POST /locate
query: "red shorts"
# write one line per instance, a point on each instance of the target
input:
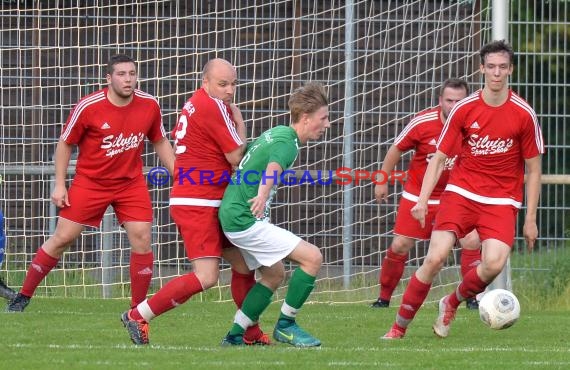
(201, 231)
(406, 225)
(89, 200)
(461, 215)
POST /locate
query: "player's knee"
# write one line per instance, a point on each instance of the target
(490, 269)
(208, 283)
(209, 279)
(59, 241)
(313, 255)
(434, 263)
(401, 246)
(141, 243)
(272, 277)
(470, 242)
(398, 249)
(274, 280)
(278, 278)
(313, 260)
(234, 257)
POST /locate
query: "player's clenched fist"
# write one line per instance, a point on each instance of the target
(419, 212)
(59, 197)
(381, 192)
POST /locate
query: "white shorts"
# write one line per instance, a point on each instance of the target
(263, 244)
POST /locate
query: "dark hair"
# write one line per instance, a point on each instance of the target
(497, 47)
(454, 83)
(116, 59)
(307, 99)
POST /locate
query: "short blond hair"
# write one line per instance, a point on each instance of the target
(307, 99)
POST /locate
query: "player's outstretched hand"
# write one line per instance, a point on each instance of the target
(381, 193)
(59, 197)
(530, 233)
(419, 212)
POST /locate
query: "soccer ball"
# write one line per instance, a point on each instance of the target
(499, 309)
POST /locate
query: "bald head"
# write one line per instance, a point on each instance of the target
(214, 64)
(219, 79)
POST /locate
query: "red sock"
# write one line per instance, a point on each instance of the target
(469, 287)
(414, 296)
(469, 258)
(391, 273)
(41, 265)
(141, 276)
(240, 286)
(174, 293)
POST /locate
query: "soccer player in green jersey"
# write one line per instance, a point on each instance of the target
(244, 216)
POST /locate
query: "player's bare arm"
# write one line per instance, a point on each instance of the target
(431, 177)
(534, 172)
(390, 160)
(165, 152)
(62, 157)
(235, 156)
(258, 203)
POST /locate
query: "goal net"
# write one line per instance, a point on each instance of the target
(381, 61)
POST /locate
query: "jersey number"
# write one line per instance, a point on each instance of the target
(181, 128)
(247, 156)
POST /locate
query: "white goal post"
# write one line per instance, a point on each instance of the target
(382, 61)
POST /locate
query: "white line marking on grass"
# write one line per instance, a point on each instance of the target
(116, 346)
(282, 348)
(468, 349)
(559, 364)
(351, 364)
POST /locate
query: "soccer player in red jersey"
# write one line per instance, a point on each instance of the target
(210, 140)
(500, 136)
(109, 127)
(421, 135)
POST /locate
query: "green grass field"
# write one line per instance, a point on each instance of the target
(58, 333)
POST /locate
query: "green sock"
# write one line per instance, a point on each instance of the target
(300, 287)
(236, 329)
(256, 301)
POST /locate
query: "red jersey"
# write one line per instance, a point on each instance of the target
(421, 134)
(204, 133)
(495, 142)
(109, 137)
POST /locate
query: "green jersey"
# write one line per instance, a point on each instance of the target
(280, 145)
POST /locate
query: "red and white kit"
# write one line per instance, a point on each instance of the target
(205, 131)
(110, 137)
(421, 134)
(495, 143)
(109, 165)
